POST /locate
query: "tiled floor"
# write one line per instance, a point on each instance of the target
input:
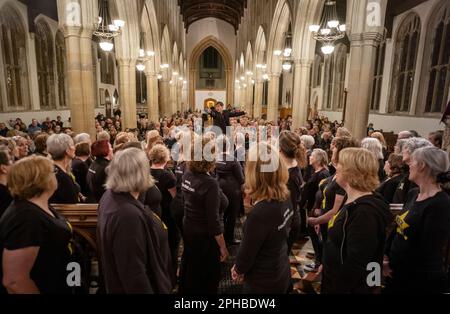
(302, 281)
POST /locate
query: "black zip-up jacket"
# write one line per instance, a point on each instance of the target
(356, 238)
(96, 178)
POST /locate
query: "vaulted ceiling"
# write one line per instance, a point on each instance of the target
(230, 11)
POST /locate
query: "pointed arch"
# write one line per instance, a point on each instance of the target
(45, 65)
(280, 25)
(249, 66)
(406, 51)
(260, 47)
(435, 75)
(181, 65)
(149, 27)
(13, 53)
(61, 69)
(207, 42)
(166, 50)
(175, 60)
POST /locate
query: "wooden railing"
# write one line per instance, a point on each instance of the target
(83, 218)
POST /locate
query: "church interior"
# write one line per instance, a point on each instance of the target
(118, 74)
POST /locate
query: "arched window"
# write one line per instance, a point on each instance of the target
(13, 50)
(377, 80)
(141, 88)
(45, 65)
(61, 68)
(339, 76)
(328, 82)
(317, 71)
(438, 60)
(95, 58)
(406, 49)
(107, 66)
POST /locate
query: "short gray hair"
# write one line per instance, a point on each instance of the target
(58, 144)
(103, 136)
(374, 146)
(308, 141)
(404, 135)
(321, 156)
(435, 159)
(83, 137)
(415, 143)
(129, 171)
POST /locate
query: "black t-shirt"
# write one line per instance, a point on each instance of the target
(230, 175)
(403, 189)
(80, 170)
(96, 178)
(152, 199)
(311, 187)
(389, 187)
(203, 202)
(68, 190)
(26, 225)
(294, 185)
(165, 180)
(179, 172)
(5, 199)
(421, 233)
(331, 189)
(262, 256)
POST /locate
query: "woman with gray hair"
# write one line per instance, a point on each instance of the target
(133, 241)
(409, 147)
(418, 247)
(62, 150)
(374, 146)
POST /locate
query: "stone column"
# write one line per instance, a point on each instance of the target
(249, 96)
(127, 92)
(243, 96)
(152, 96)
(180, 96)
(273, 105)
(33, 75)
(362, 58)
(173, 97)
(74, 81)
(87, 79)
(300, 100)
(259, 88)
(165, 97)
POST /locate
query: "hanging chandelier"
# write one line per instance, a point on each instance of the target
(144, 56)
(287, 52)
(105, 29)
(330, 30)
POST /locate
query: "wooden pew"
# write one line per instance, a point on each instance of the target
(83, 218)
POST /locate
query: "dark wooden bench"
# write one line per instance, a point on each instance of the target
(83, 218)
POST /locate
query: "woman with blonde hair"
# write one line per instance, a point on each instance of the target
(357, 234)
(153, 138)
(34, 239)
(262, 261)
(380, 137)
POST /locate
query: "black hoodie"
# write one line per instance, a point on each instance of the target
(356, 238)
